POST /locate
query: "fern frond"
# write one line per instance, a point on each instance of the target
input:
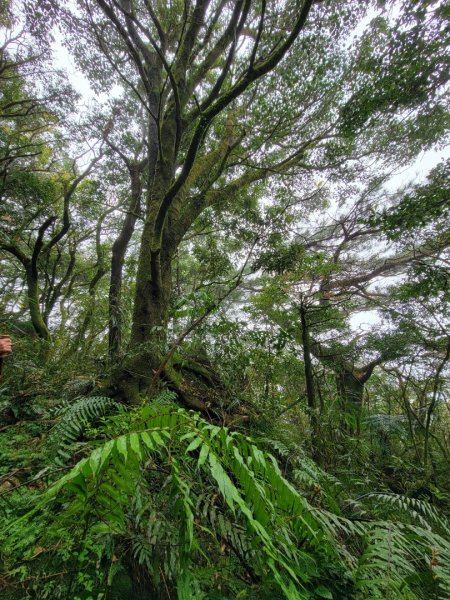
(420, 511)
(387, 424)
(75, 418)
(386, 564)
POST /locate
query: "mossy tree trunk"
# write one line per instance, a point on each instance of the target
(350, 382)
(37, 318)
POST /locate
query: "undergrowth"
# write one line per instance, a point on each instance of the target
(164, 500)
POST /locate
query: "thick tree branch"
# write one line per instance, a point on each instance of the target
(252, 75)
(67, 197)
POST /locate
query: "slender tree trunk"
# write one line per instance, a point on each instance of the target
(432, 405)
(117, 260)
(309, 376)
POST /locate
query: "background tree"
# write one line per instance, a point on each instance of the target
(37, 186)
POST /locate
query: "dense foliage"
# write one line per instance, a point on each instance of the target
(227, 288)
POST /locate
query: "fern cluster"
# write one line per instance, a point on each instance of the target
(189, 501)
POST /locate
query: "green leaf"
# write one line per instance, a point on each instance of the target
(121, 444)
(203, 455)
(135, 446)
(323, 592)
(194, 444)
(226, 487)
(148, 441)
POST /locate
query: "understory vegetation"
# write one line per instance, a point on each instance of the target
(224, 269)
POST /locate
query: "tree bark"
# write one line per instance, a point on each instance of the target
(309, 376)
(350, 382)
(117, 261)
(151, 305)
(37, 319)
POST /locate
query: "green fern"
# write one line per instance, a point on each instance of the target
(258, 507)
(75, 418)
(405, 558)
(403, 562)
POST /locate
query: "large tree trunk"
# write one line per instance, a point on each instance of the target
(350, 381)
(151, 302)
(170, 73)
(149, 331)
(153, 279)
